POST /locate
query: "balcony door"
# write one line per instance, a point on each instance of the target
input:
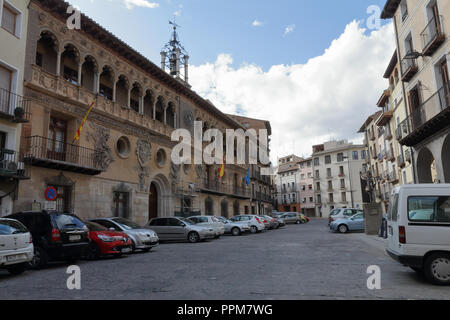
(56, 146)
(5, 88)
(445, 82)
(437, 20)
(414, 105)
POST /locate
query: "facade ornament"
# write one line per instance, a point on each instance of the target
(144, 154)
(103, 156)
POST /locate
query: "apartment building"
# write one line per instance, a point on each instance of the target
(288, 182)
(121, 165)
(422, 36)
(14, 108)
(336, 174)
(306, 185)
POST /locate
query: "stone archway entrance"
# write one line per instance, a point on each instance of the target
(446, 158)
(159, 204)
(426, 166)
(153, 202)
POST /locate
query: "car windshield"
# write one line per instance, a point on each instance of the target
(127, 224)
(187, 221)
(66, 221)
(8, 227)
(92, 226)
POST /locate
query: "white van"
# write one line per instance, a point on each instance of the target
(419, 229)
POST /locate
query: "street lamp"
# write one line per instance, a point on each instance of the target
(349, 177)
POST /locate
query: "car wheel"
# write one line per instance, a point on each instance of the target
(93, 251)
(298, 222)
(40, 258)
(437, 269)
(254, 229)
(17, 268)
(343, 228)
(193, 237)
(236, 231)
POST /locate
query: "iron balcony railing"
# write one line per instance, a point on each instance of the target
(410, 68)
(438, 102)
(393, 176)
(13, 106)
(408, 155)
(401, 161)
(218, 187)
(47, 151)
(431, 31)
(11, 165)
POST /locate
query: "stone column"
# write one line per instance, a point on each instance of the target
(58, 63)
(154, 109)
(80, 68)
(165, 114)
(114, 90)
(97, 83)
(141, 104)
(129, 97)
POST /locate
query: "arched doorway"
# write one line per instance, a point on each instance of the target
(159, 204)
(153, 202)
(445, 154)
(426, 166)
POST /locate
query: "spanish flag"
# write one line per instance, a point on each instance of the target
(222, 169)
(78, 134)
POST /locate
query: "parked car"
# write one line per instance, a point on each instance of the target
(344, 225)
(141, 238)
(106, 242)
(210, 222)
(57, 236)
(292, 218)
(419, 229)
(177, 228)
(273, 223)
(267, 223)
(256, 225)
(235, 228)
(281, 222)
(16, 246)
(340, 213)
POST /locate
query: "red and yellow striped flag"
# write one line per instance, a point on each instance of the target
(222, 169)
(78, 134)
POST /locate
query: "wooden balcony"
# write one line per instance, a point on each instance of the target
(429, 118)
(410, 68)
(384, 118)
(432, 36)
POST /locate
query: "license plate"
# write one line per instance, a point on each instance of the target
(75, 238)
(14, 257)
(126, 250)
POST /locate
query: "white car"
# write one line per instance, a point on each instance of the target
(16, 246)
(256, 225)
(235, 228)
(419, 229)
(210, 222)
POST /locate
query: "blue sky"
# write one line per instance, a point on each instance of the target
(318, 82)
(211, 27)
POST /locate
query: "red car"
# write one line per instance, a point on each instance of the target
(106, 242)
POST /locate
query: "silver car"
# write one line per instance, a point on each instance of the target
(143, 239)
(235, 228)
(176, 228)
(210, 222)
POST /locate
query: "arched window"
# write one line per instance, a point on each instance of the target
(69, 63)
(170, 115)
(236, 208)
(122, 91)
(224, 208)
(148, 103)
(106, 83)
(159, 114)
(209, 206)
(47, 52)
(135, 96)
(88, 72)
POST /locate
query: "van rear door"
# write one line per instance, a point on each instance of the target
(392, 222)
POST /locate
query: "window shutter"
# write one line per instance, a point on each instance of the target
(9, 20)
(5, 78)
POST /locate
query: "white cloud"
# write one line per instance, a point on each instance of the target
(257, 23)
(289, 29)
(140, 3)
(328, 97)
(177, 13)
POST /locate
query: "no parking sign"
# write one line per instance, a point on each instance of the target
(50, 194)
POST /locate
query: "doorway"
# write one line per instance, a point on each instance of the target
(153, 202)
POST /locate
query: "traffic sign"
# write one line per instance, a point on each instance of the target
(50, 194)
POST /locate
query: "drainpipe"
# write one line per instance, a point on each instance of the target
(404, 94)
